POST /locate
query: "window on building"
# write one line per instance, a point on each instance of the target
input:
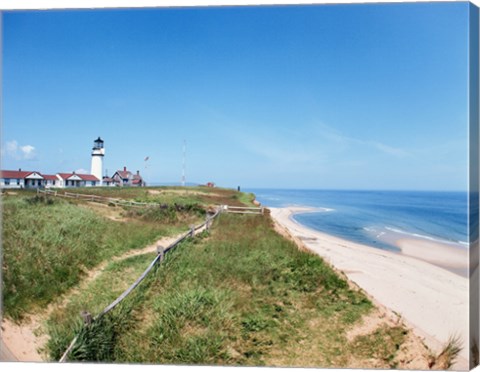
(18, 181)
(7, 181)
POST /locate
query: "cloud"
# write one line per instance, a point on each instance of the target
(81, 171)
(397, 152)
(28, 151)
(17, 152)
(335, 136)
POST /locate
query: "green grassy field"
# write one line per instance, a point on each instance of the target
(173, 195)
(228, 298)
(240, 294)
(49, 244)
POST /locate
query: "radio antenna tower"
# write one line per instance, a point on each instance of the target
(184, 158)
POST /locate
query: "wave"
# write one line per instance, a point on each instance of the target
(309, 209)
(374, 231)
(327, 209)
(440, 240)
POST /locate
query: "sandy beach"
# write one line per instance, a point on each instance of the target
(430, 293)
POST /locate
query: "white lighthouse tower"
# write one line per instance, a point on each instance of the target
(98, 152)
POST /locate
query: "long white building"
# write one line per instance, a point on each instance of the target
(10, 179)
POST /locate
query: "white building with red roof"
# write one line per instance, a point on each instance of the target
(77, 180)
(21, 179)
(31, 179)
(51, 180)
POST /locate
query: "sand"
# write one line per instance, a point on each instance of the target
(429, 293)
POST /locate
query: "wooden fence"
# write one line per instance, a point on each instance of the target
(130, 203)
(98, 199)
(88, 319)
(161, 251)
(243, 210)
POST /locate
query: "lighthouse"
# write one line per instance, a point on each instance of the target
(98, 152)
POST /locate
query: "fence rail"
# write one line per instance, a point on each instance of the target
(98, 199)
(130, 203)
(243, 210)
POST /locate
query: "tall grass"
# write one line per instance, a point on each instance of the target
(238, 295)
(241, 295)
(65, 323)
(173, 195)
(448, 355)
(169, 213)
(49, 245)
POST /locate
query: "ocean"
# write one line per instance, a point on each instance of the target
(379, 218)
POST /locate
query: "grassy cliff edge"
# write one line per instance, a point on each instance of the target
(241, 294)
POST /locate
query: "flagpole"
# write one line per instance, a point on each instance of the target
(146, 159)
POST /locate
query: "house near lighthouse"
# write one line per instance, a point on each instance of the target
(34, 180)
(126, 178)
(20, 179)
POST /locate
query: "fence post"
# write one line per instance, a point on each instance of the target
(87, 317)
(192, 230)
(161, 252)
(207, 223)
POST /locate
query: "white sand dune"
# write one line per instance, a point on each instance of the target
(432, 299)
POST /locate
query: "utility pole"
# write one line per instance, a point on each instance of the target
(184, 160)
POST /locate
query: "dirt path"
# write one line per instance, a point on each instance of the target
(26, 339)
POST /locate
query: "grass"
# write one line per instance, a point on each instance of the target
(49, 244)
(172, 195)
(448, 355)
(245, 198)
(229, 297)
(240, 294)
(173, 213)
(64, 322)
(381, 345)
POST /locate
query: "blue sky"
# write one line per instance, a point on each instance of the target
(365, 96)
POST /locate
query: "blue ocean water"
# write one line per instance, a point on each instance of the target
(370, 217)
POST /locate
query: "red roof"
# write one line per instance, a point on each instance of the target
(84, 177)
(88, 177)
(14, 174)
(124, 174)
(137, 181)
(64, 176)
(50, 177)
(24, 174)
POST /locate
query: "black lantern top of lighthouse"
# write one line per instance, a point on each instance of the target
(98, 144)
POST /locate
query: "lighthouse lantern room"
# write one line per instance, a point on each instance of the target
(98, 143)
(98, 152)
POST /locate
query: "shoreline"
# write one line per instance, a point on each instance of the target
(403, 282)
